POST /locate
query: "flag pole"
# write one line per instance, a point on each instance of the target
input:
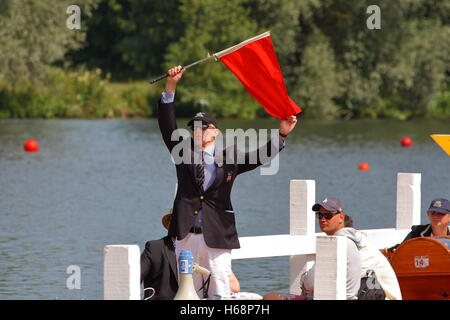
(183, 68)
(229, 50)
(216, 55)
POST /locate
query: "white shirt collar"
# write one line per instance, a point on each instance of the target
(210, 150)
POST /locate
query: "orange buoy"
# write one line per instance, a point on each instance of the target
(406, 142)
(364, 166)
(31, 145)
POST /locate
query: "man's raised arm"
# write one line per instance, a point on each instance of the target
(166, 108)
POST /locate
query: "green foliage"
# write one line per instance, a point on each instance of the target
(129, 37)
(393, 72)
(439, 108)
(211, 26)
(105, 29)
(75, 94)
(333, 65)
(282, 18)
(33, 34)
(149, 34)
(319, 83)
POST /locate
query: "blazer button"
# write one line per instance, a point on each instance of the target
(202, 197)
(195, 212)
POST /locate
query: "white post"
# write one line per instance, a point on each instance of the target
(408, 200)
(301, 222)
(330, 274)
(122, 272)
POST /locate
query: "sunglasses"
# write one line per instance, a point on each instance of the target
(204, 126)
(327, 215)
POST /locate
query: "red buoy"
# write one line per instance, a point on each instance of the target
(364, 166)
(406, 142)
(31, 145)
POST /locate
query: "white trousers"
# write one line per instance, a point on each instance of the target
(218, 261)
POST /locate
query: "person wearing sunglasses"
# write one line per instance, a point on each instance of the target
(331, 219)
(364, 260)
(365, 263)
(203, 219)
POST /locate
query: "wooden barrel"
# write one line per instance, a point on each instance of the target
(422, 266)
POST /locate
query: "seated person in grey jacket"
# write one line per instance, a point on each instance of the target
(331, 219)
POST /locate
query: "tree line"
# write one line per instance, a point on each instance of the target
(334, 65)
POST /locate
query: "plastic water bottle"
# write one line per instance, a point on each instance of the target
(186, 290)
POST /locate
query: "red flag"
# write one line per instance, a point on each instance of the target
(254, 62)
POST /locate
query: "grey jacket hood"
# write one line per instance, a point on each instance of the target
(358, 237)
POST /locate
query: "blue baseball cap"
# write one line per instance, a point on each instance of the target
(330, 204)
(440, 205)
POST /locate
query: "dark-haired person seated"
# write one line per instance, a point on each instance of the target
(159, 272)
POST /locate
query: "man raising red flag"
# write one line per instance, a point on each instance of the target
(203, 219)
(254, 62)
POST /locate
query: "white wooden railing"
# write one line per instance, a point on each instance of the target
(302, 244)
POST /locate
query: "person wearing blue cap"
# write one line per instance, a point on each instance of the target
(439, 217)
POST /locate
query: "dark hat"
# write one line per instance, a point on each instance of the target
(204, 117)
(330, 204)
(440, 205)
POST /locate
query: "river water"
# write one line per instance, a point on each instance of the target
(100, 182)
